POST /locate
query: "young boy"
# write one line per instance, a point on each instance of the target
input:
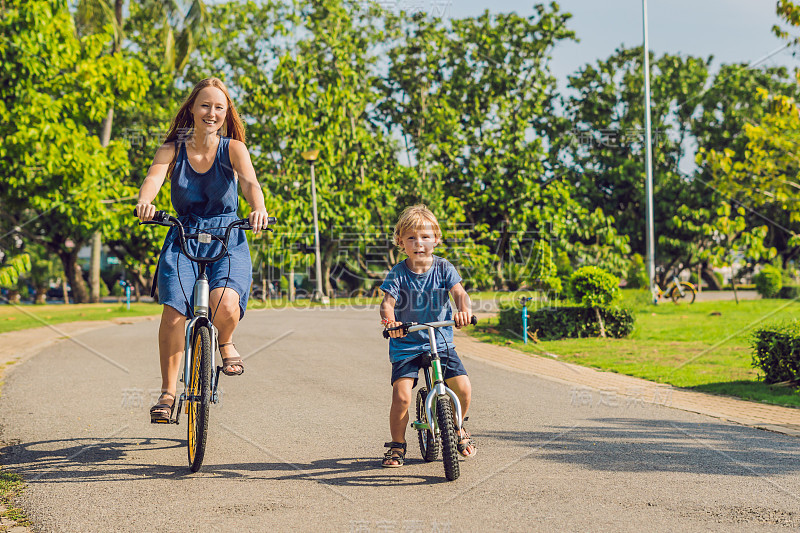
(417, 290)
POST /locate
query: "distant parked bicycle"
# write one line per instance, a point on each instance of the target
(679, 291)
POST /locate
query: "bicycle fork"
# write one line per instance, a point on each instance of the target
(436, 390)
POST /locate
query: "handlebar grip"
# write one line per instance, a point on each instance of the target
(159, 216)
(385, 334)
(272, 220)
(474, 321)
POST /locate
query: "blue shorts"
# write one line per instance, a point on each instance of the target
(409, 367)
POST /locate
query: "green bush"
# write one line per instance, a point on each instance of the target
(553, 323)
(776, 351)
(789, 292)
(769, 281)
(637, 274)
(591, 286)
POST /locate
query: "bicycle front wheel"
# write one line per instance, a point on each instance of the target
(444, 414)
(685, 293)
(199, 402)
(428, 445)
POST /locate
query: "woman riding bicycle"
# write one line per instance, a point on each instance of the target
(204, 156)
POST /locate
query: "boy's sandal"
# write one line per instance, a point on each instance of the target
(231, 361)
(465, 441)
(393, 454)
(161, 413)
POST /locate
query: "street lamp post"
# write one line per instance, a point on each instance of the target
(649, 235)
(310, 156)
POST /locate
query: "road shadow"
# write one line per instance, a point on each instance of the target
(639, 445)
(121, 459)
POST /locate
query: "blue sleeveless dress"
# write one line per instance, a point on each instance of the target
(203, 201)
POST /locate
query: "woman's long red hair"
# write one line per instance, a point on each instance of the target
(183, 123)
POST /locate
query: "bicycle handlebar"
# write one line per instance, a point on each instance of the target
(409, 327)
(162, 218)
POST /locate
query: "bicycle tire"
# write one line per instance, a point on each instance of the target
(199, 387)
(444, 414)
(688, 296)
(428, 445)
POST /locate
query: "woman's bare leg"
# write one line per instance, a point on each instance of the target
(225, 315)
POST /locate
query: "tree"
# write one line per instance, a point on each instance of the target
(53, 85)
(599, 144)
(92, 16)
(764, 174)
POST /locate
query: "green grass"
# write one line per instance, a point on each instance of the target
(10, 486)
(682, 345)
(17, 317)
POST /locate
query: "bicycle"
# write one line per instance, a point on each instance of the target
(200, 389)
(435, 422)
(678, 291)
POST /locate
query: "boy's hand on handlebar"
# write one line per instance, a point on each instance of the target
(258, 219)
(145, 211)
(462, 318)
(396, 334)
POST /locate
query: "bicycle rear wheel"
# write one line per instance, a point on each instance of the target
(444, 415)
(428, 445)
(199, 402)
(688, 296)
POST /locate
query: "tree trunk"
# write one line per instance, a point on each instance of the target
(72, 269)
(65, 289)
(41, 295)
(94, 270)
(97, 240)
(142, 285)
(710, 278)
(600, 322)
(292, 292)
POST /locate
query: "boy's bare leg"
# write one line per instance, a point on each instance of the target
(462, 386)
(398, 414)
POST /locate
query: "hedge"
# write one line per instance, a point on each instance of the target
(553, 323)
(789, 292)
(776, 351)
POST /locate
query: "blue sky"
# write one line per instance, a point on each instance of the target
(730, 30)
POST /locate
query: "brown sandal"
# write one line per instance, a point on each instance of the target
(394, 455)
(161, 413)
(465, 441)
(231, 361)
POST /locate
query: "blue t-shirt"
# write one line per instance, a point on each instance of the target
(421, 298)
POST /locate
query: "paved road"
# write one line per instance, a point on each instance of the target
(295, 443)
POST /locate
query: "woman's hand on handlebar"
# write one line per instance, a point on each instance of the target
(145, 211)
(463, 318)
(258, 219)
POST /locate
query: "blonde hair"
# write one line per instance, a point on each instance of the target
(183, 123)
(414, 217)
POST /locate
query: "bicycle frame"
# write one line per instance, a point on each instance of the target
(435, 382)
(201, 295)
